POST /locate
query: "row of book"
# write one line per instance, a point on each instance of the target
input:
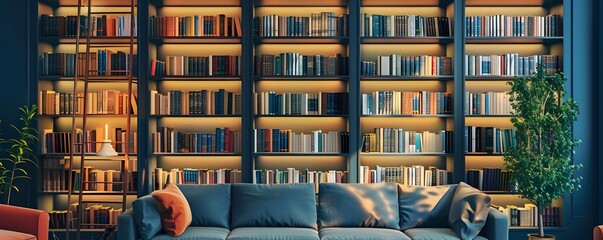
(203, 102)
(212, 65)
(296, 64)
(396, 140)
(509, 64)
(527, 216)
(162, 177)
(323, 24)
(103, 62)
(490, 179)
(415, 175)
(488, 103)
(271, 103)
(101, 26)
(376, 25)
(222, 140)
(60, 142)
(403, 103)
(57, 175)
(513, 26)
(93, 217)
(489, 139)
(397, 65)
(99, 102)
(195, 26)
(292, 175)
(281, 140)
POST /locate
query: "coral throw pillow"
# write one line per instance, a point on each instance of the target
(175, 212)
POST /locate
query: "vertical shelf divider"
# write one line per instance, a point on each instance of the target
(354, 91)
(247, 7)
(144, 105)
(459, 91)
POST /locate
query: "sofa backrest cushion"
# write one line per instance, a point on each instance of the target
(469, 211)
(425, 207)
(146, 217)
(358, 205)
(278, 205)
(210, 204)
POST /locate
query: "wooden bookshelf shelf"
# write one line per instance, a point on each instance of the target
(306, 3)
(513, 40)
(489, 116)
(408, 78)
(409, 116)
(197, 154)
(513, 3)
(301, 116)
(482, 154)
(406, 40)
(100, 3)
(70, 78)
(300, 40)
(299, 78)
(89, 115)
(78, 155)
(195, 40)
(407, 154)
(546, 229)
(95, 40)
(406, 3)
(195, 116)
(195, 78)
(291, 154)
(108, 193)
(188, 3)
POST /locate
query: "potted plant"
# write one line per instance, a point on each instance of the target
(541, 161)
(16, 153)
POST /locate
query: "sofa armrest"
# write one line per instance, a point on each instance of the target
(126, 227)
(598, 232)
(497, 226)
(25, 220)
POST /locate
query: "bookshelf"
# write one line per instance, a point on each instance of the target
(356, 46)
(54, 86)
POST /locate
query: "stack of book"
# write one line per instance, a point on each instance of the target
(324, 24)
(296, 64)
(195, 26)
(203, 102)
(489, 139)
(490, 179)
(405, 103)
(60, 142)
(212, 65)
(292, 175)
(99, 102)
(415, 175)
(223, 140)
(397, 65)
(527, 216)
(102, 26)
(509, 64)
(99, 216)
(57, 175)
(103, 62)
(488, 103)
(280, 140)
(195, 176)
(376, 25)
(396, 140)
(271, 103)
(513, 26)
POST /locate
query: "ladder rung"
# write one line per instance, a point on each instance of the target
(109, 13)
(102, 201)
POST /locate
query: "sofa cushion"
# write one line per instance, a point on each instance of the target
(210, 204)
(10, 235)
(435, 234)
(174, 210)
(361, 234)
(278, 205)
(469, 211)
(273, 233)
(425, 207)
(197, 233)
(146, 217)
(358, 205)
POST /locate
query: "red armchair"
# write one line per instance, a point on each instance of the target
(23, 223)
(598, 233)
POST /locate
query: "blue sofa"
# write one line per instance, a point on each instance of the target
(291, 212)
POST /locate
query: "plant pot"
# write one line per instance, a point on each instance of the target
(534, 236)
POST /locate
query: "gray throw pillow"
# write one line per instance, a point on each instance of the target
(425, 207)
(469, 211)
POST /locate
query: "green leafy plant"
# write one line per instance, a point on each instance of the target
(541, 162)
(16, 153)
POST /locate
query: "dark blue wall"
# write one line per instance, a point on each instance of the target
(15, 76)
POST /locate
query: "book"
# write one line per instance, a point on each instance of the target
(397, 140)
(514, 26)
(510, 64)
(488, 103)
(103, 62)
(201, 102)
(271, 103)
(292, 175)
(296, 64)
(212, 65)
(406, 103)
(398, 65)
(323, 24)
(285, 140)
(415, 175)
(489, 140)
(377, 25)
(195, 26)
(101, 26)
(99, 102)
(222, 140)
(162, 177)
